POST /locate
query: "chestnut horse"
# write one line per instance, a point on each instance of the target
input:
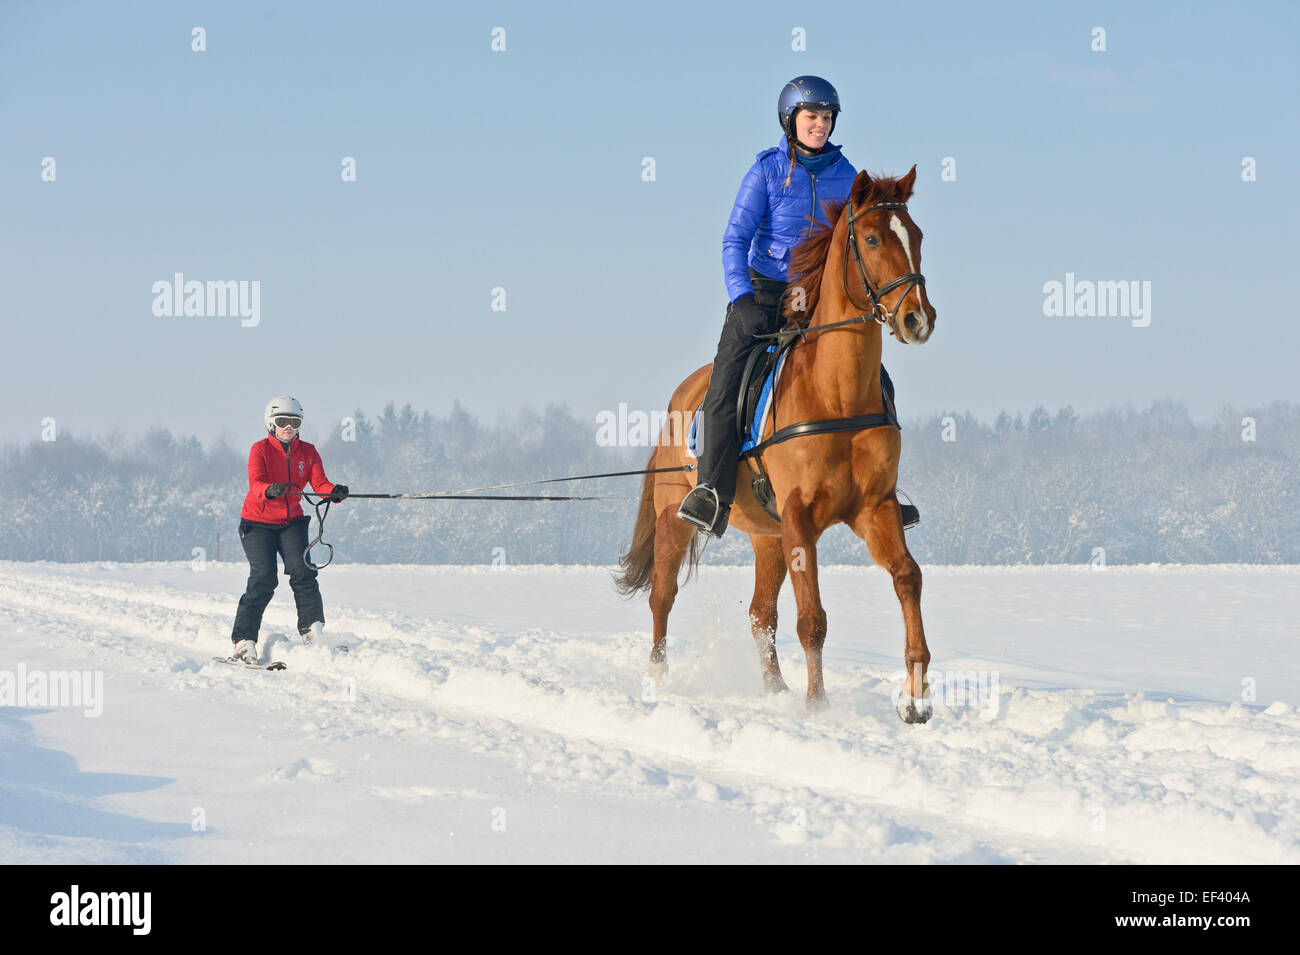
(818, 479)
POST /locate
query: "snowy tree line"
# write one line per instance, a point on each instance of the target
(1148, 485)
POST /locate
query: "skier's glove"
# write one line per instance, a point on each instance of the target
(276, 489)
(339, 493)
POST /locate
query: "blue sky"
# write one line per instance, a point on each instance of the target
(522, 169)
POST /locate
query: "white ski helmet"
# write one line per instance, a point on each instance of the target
(281, 405)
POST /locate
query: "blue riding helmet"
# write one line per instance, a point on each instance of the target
(805, 92)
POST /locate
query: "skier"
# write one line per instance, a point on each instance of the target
(768, 219)
(280, 466)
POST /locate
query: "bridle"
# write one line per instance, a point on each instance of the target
(878, 308)
(878, 311)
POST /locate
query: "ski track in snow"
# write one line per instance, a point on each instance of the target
(1057, 775)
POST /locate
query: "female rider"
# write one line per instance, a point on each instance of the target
(783, 188)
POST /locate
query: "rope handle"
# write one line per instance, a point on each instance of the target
(324, 501)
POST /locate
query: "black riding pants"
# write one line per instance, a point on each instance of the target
(718, 445)
(261, 543)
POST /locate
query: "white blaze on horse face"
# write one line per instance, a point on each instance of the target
(900, 230)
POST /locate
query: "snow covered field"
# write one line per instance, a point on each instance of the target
(503, 715)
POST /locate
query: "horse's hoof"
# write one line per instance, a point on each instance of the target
(659, 670)
(774, 684)
(817, 703)
(914, 711)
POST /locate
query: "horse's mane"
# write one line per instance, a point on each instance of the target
(808, 260)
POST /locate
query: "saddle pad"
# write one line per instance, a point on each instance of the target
(757, 421)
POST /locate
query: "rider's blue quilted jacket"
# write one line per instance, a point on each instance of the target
(769, 218)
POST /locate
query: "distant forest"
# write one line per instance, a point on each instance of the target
(1147, 485)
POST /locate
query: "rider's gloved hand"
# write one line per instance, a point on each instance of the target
(276, 489)
(746, 311)
(339, 493)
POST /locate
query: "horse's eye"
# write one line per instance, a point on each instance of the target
(872, 241)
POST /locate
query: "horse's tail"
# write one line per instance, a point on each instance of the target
(639, 561)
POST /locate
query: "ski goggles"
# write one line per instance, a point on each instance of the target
(284, 421)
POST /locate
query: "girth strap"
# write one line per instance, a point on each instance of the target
(860, 422)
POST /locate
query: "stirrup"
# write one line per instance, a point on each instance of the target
(715, 525)
(911, 513)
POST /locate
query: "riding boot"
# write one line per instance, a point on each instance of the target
(911, 514)
(702, 509)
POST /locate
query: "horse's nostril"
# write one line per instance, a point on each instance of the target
(911, 322)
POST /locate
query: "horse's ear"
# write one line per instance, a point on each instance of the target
(906, 183)
(861, 188)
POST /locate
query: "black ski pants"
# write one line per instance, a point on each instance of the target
(261, 543)
(718, 445)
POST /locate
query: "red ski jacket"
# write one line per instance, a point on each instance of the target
(268, 463)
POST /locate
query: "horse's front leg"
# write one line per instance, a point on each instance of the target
(882, 529)
(799, 542)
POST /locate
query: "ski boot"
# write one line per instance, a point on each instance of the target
(245, 652)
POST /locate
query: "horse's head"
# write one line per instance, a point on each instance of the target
(882, 257)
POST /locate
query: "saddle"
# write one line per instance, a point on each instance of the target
(757, 385)
(754, 401)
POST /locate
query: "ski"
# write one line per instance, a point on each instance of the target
(307, 641)
(340, 647)
(275, 665)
